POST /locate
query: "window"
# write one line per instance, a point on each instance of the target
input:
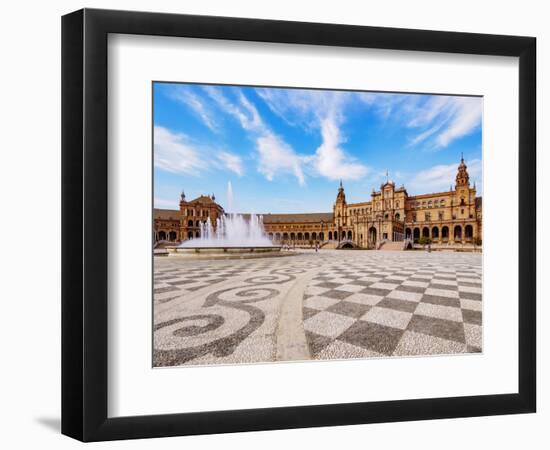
(427, 217)
(440, 215)
(414, 217)
(397, 204)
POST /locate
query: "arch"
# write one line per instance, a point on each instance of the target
(408, 233)
(285, 236)
(306, 236)
(458, 233)
(270, 235)
(397, 216)
(190, 235)
(350, 235)
(197, 234)
(190, 223)
(277, 236)
(435, 233)
(292, 237)
(198, 223)
(416, 233)
(172, 236)
(426, 232)
(330, 235)
(347, 245)
(372, 234)
(386, 216)
(468, 232)
(321, 236)
(445, 233)
(314, 236)
(162, 235)
(300, 237)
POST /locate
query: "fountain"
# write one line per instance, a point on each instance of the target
(233, 233)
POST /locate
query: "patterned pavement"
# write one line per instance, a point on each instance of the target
(352, 304)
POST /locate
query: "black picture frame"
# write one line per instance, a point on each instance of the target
(84, 224)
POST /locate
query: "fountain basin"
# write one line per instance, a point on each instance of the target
(222, 250)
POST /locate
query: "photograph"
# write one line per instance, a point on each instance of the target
(295, 224)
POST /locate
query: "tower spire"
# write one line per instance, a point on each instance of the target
(462, 177)
(387, 176)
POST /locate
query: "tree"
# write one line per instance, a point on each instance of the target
(424, 240)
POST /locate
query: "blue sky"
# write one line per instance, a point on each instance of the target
(285, 150)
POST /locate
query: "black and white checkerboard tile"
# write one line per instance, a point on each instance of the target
(392, 309)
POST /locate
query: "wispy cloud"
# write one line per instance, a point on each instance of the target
(437, 119)
(163, 203)
(322, 111)
(196, 103)
(440, 177)
(232, 162)
(275, 156)
(174, 154)
(389, 105)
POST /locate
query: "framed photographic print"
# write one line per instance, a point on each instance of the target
(273, 224)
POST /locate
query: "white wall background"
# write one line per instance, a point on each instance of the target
(30, 226)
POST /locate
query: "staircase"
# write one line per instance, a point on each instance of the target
(394, 246)
(329, 245)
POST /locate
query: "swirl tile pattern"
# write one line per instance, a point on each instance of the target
(341, 304)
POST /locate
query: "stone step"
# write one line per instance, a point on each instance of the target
(398, 245)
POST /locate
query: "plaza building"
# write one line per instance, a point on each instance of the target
(390, 216)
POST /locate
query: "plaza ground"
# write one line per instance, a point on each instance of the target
(334, 304)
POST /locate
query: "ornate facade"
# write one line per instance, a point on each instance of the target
(391, 215)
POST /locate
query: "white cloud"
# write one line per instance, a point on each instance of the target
(440, 177)
(323, 111)
(275, 156)
(439, 120)
(165, 204)
(231, 162)
(173, 154)
(197, 105)
(446, 119)
(303, 107)
(466, 118)
(246, 114)
(386, 104)
(330, 160)
(425, 134)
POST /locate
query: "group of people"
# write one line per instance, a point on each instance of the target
(288, 247)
